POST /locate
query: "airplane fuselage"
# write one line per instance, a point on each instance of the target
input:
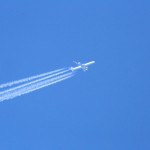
(82, 66)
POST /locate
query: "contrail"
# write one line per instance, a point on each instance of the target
(28, 79)
(34, 85)
(44, 83)
(33, 82)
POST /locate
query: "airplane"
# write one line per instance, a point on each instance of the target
(84, 67)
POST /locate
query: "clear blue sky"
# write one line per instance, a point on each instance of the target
(107, 108)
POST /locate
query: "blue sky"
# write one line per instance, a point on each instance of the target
(105, 108)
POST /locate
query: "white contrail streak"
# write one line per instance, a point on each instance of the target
(28, 79)
(34, 85)
(32, 82)
(44, 83)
